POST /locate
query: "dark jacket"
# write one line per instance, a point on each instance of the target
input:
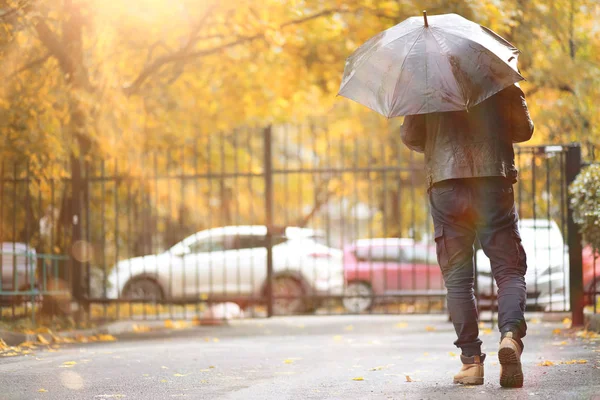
(471, 144)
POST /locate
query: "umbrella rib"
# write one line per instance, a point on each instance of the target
(402, 70)
(455, 80)
(369, 57)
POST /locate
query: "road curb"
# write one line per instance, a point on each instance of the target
(116, 329)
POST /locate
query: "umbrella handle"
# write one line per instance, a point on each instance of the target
(425, 18)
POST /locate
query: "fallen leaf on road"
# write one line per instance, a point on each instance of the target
(70, 363)
(106, 338)
(51, 350)
(288, 361)
(563, 343)
(206, 339)
(408, 379)
(486, 331)
(378, 368)
(546, 363)
(358, 378)
(180, 374)
(3, 345)
(401, 325)
(163, 367)
(430, 328)
(29, 345)
(42, 390)
(163, 381)
(42, 339)
(556, 331)
(535, 320)
(349, 328)
(205, 370)
(582, 362)
(216, 340)
(337, 338)
(10, 354)
(212, 367)
(145, 374)
(567, 322)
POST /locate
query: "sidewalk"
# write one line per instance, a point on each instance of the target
(345, 357)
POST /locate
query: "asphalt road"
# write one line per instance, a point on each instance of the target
(300, 358)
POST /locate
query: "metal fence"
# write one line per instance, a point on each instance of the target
(278, 221)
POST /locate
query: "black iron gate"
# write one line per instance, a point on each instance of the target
(290, 219)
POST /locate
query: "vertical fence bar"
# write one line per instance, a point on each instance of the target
(573, 166)
(268, 172)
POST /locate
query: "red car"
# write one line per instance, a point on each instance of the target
(591, 275)
(380, 269)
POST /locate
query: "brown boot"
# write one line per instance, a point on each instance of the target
(509, 355)
(471, 372)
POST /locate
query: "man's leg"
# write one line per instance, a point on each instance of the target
(499, 236)
(454, 236)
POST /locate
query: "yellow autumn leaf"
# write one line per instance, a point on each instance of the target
(408, 378)
(42, 339)
(216, 340)
(452, 354)
(163, 367)
(556, 331)
(106, 338)
(546, 363)
(42, 390)
(358, 378)
(567, 322)
(169, 324)
(401, 325)
(486, 331)
(178, 374)
(163, 381)
(430, 328)
(582, 362)
(288, 361)
(337, 338)
(349, 328)
(535, 320)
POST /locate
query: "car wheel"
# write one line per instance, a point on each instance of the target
(143, 289)
(288, 295)
(358, 297)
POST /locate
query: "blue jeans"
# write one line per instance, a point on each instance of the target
(463, 209)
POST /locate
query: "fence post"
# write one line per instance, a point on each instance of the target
(268, 171)
(77, 229)
(573, 166)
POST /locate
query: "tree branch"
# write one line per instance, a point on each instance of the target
(184, 54)
(31, 64)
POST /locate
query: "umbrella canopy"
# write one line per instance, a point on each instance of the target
(429, 64)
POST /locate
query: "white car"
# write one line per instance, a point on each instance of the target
(230, 263)
(547, 276)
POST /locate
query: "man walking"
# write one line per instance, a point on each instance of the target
(471, 170)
